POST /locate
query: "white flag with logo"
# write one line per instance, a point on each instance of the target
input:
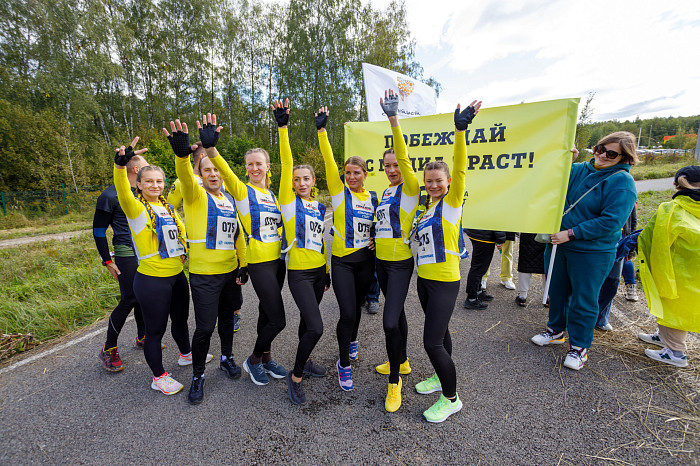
(415, 98)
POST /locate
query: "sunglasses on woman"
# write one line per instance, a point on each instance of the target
(600, 149)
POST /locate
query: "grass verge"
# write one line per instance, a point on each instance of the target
(648, 202)
(51, 288)
(655, 170)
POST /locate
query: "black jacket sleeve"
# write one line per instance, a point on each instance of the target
(100, 223)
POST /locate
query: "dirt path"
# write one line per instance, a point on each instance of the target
(9, 243)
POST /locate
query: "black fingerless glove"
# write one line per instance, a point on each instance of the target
(321, 120)
(390, 105)
(327, 282)
(243, 275)
(180, 142)
(281, 116)
(208, 135)
(464, 118)
(122, 160)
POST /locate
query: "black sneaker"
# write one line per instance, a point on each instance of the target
(229, 366)
(522, 302)
(484, 296)
(296, 392)
(196, 394)
(313, 369)
(475, 303)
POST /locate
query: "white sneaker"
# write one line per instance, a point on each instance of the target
(607, 327)
(653, 338)
(548, 338)
(166, 384)
(576, 357)
(666, 355)
(631, 292)
(483, 285)
(186, 359)
(508, 284)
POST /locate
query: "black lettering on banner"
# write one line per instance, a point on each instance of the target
(486, 163)
(388, 141)
(479, 136)
(438, 158)
(443, 138)
(422, 163)
(498, 161)
(498, 133)
(370, 165)
(415, 140)
(466, 136)
(426, 139)
(532, 160)
(413, 163)
(381, 164)
(518, 157)
(172, 234)
(473, 160)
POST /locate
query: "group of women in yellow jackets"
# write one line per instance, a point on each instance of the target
(366, 230)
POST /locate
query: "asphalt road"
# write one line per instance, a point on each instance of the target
(520, 405)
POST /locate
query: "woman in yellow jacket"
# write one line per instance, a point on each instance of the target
(669, 260)
(308, 275)
(440, 246)
(160, 285)
(352, 261)
(395, 215)
(260, 217)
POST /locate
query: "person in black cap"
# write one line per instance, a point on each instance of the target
(669, 257)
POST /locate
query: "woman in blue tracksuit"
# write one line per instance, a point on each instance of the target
(587, 242)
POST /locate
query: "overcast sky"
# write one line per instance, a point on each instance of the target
(641, 58)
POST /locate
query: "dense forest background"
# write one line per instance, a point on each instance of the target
(78, 78)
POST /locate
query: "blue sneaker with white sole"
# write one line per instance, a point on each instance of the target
(258, 374)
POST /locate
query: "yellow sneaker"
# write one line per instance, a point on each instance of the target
(393, 397)
(404, 369)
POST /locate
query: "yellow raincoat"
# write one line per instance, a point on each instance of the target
(669, 258)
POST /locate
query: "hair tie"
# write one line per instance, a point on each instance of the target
(314, 192)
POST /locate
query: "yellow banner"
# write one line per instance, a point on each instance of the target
(518, 160)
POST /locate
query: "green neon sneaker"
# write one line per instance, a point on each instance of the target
(443, 409)
(429, 385)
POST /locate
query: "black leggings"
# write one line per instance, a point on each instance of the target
(394, 278)
(482, 253)
(159, 298)
(213, 296)
(307, 288)
(438, 301)
(267, 279)
(127, 301)
(352, 276)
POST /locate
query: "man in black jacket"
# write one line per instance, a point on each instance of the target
(483, 244)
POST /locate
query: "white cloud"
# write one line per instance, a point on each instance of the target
(640, 57)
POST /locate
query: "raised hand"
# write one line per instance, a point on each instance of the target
(180, 139)
(464, 118)
(281, 112)
(124, 154)
(209, 133)
(321, 118)
(390, 103)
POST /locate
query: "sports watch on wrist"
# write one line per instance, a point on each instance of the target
(107, 262)
(571, 233)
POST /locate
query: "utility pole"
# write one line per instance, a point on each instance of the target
(639, 138)
(649, 144)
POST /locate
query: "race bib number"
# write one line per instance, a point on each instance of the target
(383, 227)
(268, 226)
(425, 240)
(172, 244)
(362, 228)
(314, 234)
(226, 232)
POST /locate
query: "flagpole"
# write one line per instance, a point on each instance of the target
(549, 274)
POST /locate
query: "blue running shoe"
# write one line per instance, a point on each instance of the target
(274, 369)
(344, 377)
(352, 353)
(257, 373)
